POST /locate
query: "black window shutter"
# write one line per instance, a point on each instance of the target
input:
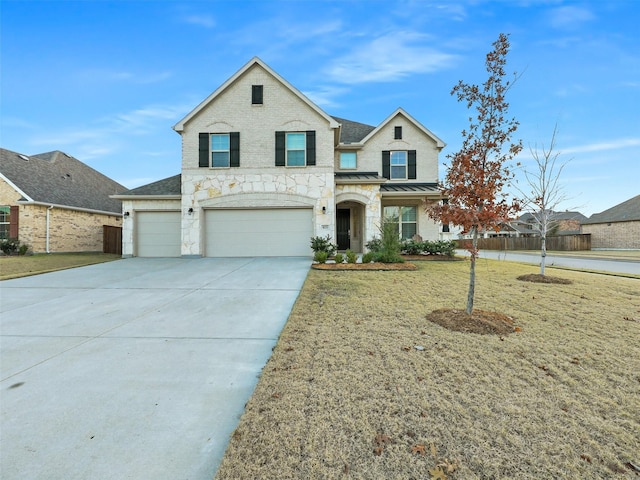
(204, 150)
(397, 134)
(234, 149)
(311, 147)
(386, 164)
(256, 94)
(280, 149)
(411, 160)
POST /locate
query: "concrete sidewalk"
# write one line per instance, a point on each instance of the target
(138, 368)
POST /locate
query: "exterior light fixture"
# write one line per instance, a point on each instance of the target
(324, 209)
(126, 214)
(190, 211)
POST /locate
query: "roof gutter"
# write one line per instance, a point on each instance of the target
(69, 207)
(146, 197)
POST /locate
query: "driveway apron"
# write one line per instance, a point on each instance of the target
(138, 368)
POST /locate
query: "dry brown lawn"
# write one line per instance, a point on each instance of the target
(25, 265)
(347, 395)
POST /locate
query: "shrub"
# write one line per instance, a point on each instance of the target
(10, 245)
(374, 245)
(351, 257)
(323, 244)
(390, 252)
(446, 247)
(23, 249)
(412, 247)
(339, 258)
(368, 257)
(320, 257)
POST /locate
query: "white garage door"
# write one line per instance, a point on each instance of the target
(158, 234)
(277, 232)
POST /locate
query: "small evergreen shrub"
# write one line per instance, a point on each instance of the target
(351, 257)
(320, 257)
(23, 249)
(367, 257)
(374, 245)
(339, 258)
(9, 245)
(323, 244)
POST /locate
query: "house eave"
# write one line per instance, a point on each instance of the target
(146, 197)
(69, 207)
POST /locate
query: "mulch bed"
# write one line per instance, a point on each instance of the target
(537, 278)
(480, 321)
(364, 266)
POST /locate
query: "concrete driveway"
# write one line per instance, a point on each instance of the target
(135, 369)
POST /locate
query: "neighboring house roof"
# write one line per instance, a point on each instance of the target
(566, 215)
(353, 132)
(170, 186)
(179, 127)
(627, 211)
(55, 178)
(400, 111)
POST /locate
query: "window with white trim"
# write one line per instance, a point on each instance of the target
(220, 150)
(296, 148)
(398, 165)
(4, 221)
(406, 219)
(348, 160)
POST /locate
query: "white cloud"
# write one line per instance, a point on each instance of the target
(97, 75)
(388, 58)
(570, 17)
(199, 19)
(325, 96)
(604, 146)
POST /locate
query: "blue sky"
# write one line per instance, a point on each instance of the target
(106, 81)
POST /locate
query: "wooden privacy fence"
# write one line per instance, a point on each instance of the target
(111, 239)
(559, 243)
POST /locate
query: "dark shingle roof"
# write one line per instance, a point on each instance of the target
(57, 178)
(166, 186)
(624, 212)
(530, 217)
(353, 132)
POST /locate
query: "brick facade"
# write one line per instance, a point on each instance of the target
(69, 230)
(616, 235)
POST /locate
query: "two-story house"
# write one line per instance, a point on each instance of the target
(264, 169)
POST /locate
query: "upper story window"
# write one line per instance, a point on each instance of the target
(256, 94)
(220, 154)
(397, 133)
(398, 165)
(295, 149)
(348, 160)
(219, 150)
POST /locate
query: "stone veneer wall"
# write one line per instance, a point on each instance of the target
(254, 190)
(134, 206)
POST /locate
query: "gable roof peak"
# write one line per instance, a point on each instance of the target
(401, 111)
(179, 127)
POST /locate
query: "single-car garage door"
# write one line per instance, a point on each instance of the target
(270, 232)
(158, 234)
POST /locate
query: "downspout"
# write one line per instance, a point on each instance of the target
(47, 245)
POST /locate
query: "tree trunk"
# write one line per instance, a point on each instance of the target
(543, 255)
(472, 271)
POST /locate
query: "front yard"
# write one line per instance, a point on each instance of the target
(348, 395)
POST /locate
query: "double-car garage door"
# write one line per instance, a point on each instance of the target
(268, 232)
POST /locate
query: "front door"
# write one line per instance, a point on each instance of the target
(343, 225)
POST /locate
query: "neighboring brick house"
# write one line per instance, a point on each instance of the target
(617, 227)
(264, 169)
(561, 223)
(55, 203)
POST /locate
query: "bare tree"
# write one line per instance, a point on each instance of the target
(544, 191)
